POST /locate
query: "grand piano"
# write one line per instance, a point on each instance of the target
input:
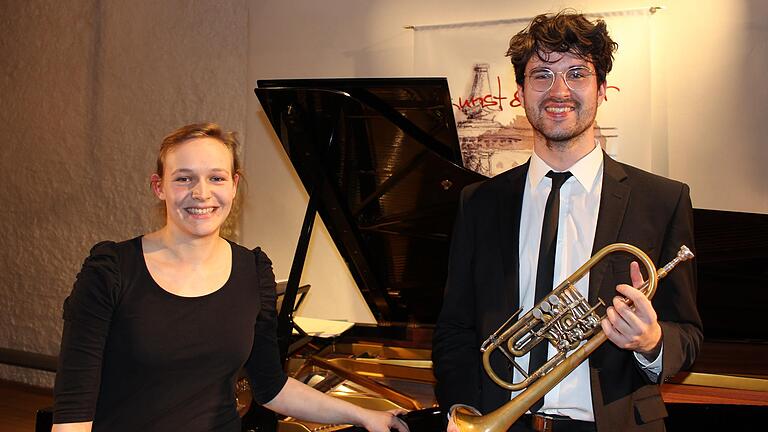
(381, 163)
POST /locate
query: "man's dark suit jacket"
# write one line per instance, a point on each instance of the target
(636, 207)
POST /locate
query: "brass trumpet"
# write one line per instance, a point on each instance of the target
(565, 319)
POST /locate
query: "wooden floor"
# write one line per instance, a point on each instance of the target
(18, 405)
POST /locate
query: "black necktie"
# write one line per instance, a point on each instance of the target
(545, 273)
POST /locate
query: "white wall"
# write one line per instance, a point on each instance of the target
(715, 55)
(708, 104)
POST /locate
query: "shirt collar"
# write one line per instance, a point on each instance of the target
(585, 170)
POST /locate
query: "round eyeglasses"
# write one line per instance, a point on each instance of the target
(576, 78)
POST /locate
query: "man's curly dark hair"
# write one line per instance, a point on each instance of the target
(566, 31)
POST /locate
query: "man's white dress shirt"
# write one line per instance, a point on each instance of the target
(579, 207)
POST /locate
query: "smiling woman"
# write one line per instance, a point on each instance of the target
(213, 133)
(198, 185)
(157, 327)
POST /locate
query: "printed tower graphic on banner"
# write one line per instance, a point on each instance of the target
(480, 113)
(487, 146)
(490, 147)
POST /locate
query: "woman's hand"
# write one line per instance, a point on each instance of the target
(384, 421)
(303, 402)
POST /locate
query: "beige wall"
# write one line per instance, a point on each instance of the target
(88, 90)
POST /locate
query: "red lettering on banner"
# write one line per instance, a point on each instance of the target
(515, 102)
(500, 97)
(608, 88)
(487, 100)
(491, 102)
(463, 104)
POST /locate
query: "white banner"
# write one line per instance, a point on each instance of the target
(494, 133)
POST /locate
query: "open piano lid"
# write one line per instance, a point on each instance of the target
(380, 160)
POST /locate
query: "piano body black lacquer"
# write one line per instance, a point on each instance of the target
(381, 163)
(727, 387)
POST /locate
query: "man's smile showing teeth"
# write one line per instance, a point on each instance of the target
(200, 211)
(558, 110)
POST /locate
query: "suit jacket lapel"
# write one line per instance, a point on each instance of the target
(614, 199)
(510, 207)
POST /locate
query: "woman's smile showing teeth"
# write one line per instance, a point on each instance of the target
(200, 211)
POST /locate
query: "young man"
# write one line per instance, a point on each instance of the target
(502, 243)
